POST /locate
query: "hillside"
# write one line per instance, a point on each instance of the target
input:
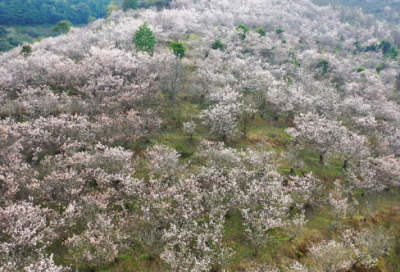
(388, 10)
(214, 135)
(23, 22)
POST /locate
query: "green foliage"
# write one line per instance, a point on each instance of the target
(110, 8)
(217, 45)
(91, 19)
(22, 12)
(379, 68)
(5, 45)
(130, 4)
(372, 47)
(243, 31)
(26, 49)
(144, 256)
(388, 49)
(3, 32)
(260, 30)
(323, 65)
(144, 39)
(358, 45)
(360, 69)
(178, 48)
(393, 52)
(279, 31)
(385, 46)
(62, 27)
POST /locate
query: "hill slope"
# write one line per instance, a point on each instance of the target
(388, 10)
(254, 136)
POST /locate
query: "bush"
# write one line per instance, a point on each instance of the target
(260, 30)
(323, 65)
(394, 52)
(178, 48)
(361, 69)
(217, 45)
(279, 31)
(244, 30)
(379, 68)
(26, 49)
(385, 46)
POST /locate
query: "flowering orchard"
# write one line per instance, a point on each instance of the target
(272, 150)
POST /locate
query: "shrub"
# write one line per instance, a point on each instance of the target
(217, 45)
(323, 65)
(361, 69)
(260, 30)
(178, 48)
(26, 49)
(244, 30)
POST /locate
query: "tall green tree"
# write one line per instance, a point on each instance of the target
(144, 39)
(130, 4)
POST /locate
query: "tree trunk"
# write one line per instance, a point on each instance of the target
(321, 159)
(245, 126)
(344, 164)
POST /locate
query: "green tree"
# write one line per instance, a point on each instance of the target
(62, 27)
(359, 46)
(217, 45)
(26, 49)
(279, 31)
(5, 45)
(178, 48)
(130, 4)
(3, 32)
(83, 13)
(393, 52)
(323, 65)
(144, 39)
(244, 30)
(385, 46)
(260, 30)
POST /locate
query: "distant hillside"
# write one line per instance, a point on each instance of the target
(384, 9)
(23, 12)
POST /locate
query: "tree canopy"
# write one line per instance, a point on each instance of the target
(178, 48)
(144, 38)
(20, 12)
(62, 27)
(130, 4)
